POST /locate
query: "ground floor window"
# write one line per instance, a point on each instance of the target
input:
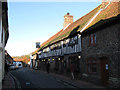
(91, 65)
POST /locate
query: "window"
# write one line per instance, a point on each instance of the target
(93, 39)
(64, 43)
(2, 36)
(76, 39)
(91, 66)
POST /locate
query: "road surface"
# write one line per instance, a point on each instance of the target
(29, 78)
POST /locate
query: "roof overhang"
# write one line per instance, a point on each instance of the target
(102, 24)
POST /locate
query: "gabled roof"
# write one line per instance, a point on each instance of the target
(111, 11)
(8, 57)
(62, 34)
(80, 22)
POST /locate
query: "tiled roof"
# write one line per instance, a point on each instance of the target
(111, 11)
(65, 33)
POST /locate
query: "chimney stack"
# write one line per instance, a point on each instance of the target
(68, 19)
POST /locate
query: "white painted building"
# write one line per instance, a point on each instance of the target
(3, 37)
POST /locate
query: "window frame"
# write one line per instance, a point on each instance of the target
(91, 63)
(92, 39)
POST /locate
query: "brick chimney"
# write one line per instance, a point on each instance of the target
(68, 19)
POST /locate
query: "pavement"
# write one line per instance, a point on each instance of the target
(76, 83)
(10, 82)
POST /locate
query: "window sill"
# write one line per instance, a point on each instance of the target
(92, 72)
(92, 45)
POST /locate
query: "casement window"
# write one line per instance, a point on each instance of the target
(92, 39)
(64, 43)
(59, 46)
(52, 47)
(91, 66)
(76, 39)
(2, 36)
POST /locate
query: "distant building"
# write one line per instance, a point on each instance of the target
(8, 58)
(4, 34)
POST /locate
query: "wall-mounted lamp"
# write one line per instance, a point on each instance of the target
(48, 59)
(79, 57)
(58, 58)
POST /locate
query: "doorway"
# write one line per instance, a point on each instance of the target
(104, 71)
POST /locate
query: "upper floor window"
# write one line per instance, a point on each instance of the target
(64, 43)
(93, 39)
(2, 36)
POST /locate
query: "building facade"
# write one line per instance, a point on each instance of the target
(100, 50)
(91, 42)
(3, 37)
(100, 54)
(8, 58)
(61, 54)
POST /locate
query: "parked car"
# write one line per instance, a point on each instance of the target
(12, 67)
(19, 64)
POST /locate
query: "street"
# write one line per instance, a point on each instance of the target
(29, 78)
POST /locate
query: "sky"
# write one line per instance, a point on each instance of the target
(31, 22)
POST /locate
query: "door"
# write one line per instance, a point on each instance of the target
(104, 71)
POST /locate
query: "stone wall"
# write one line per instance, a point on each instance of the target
(107, 45)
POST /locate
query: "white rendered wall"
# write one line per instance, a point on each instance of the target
(0, 46)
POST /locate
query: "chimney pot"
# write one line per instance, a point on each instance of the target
(68, 19)
(68, 13)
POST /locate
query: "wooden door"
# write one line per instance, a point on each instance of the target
(104, 71)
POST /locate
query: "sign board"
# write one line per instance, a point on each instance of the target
(106, 66)
(37, 44)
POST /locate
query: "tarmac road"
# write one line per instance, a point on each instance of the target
(29, 78)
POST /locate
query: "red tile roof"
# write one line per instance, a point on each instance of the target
(112, 10)
(65, 33)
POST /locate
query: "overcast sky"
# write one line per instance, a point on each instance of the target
(31, 22)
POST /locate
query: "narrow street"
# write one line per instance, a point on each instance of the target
(29, 78)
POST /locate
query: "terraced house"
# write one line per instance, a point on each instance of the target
(100, 47)
(89, 42)
(4, 33)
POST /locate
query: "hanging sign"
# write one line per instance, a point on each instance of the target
(106, 66)
(37, 44)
